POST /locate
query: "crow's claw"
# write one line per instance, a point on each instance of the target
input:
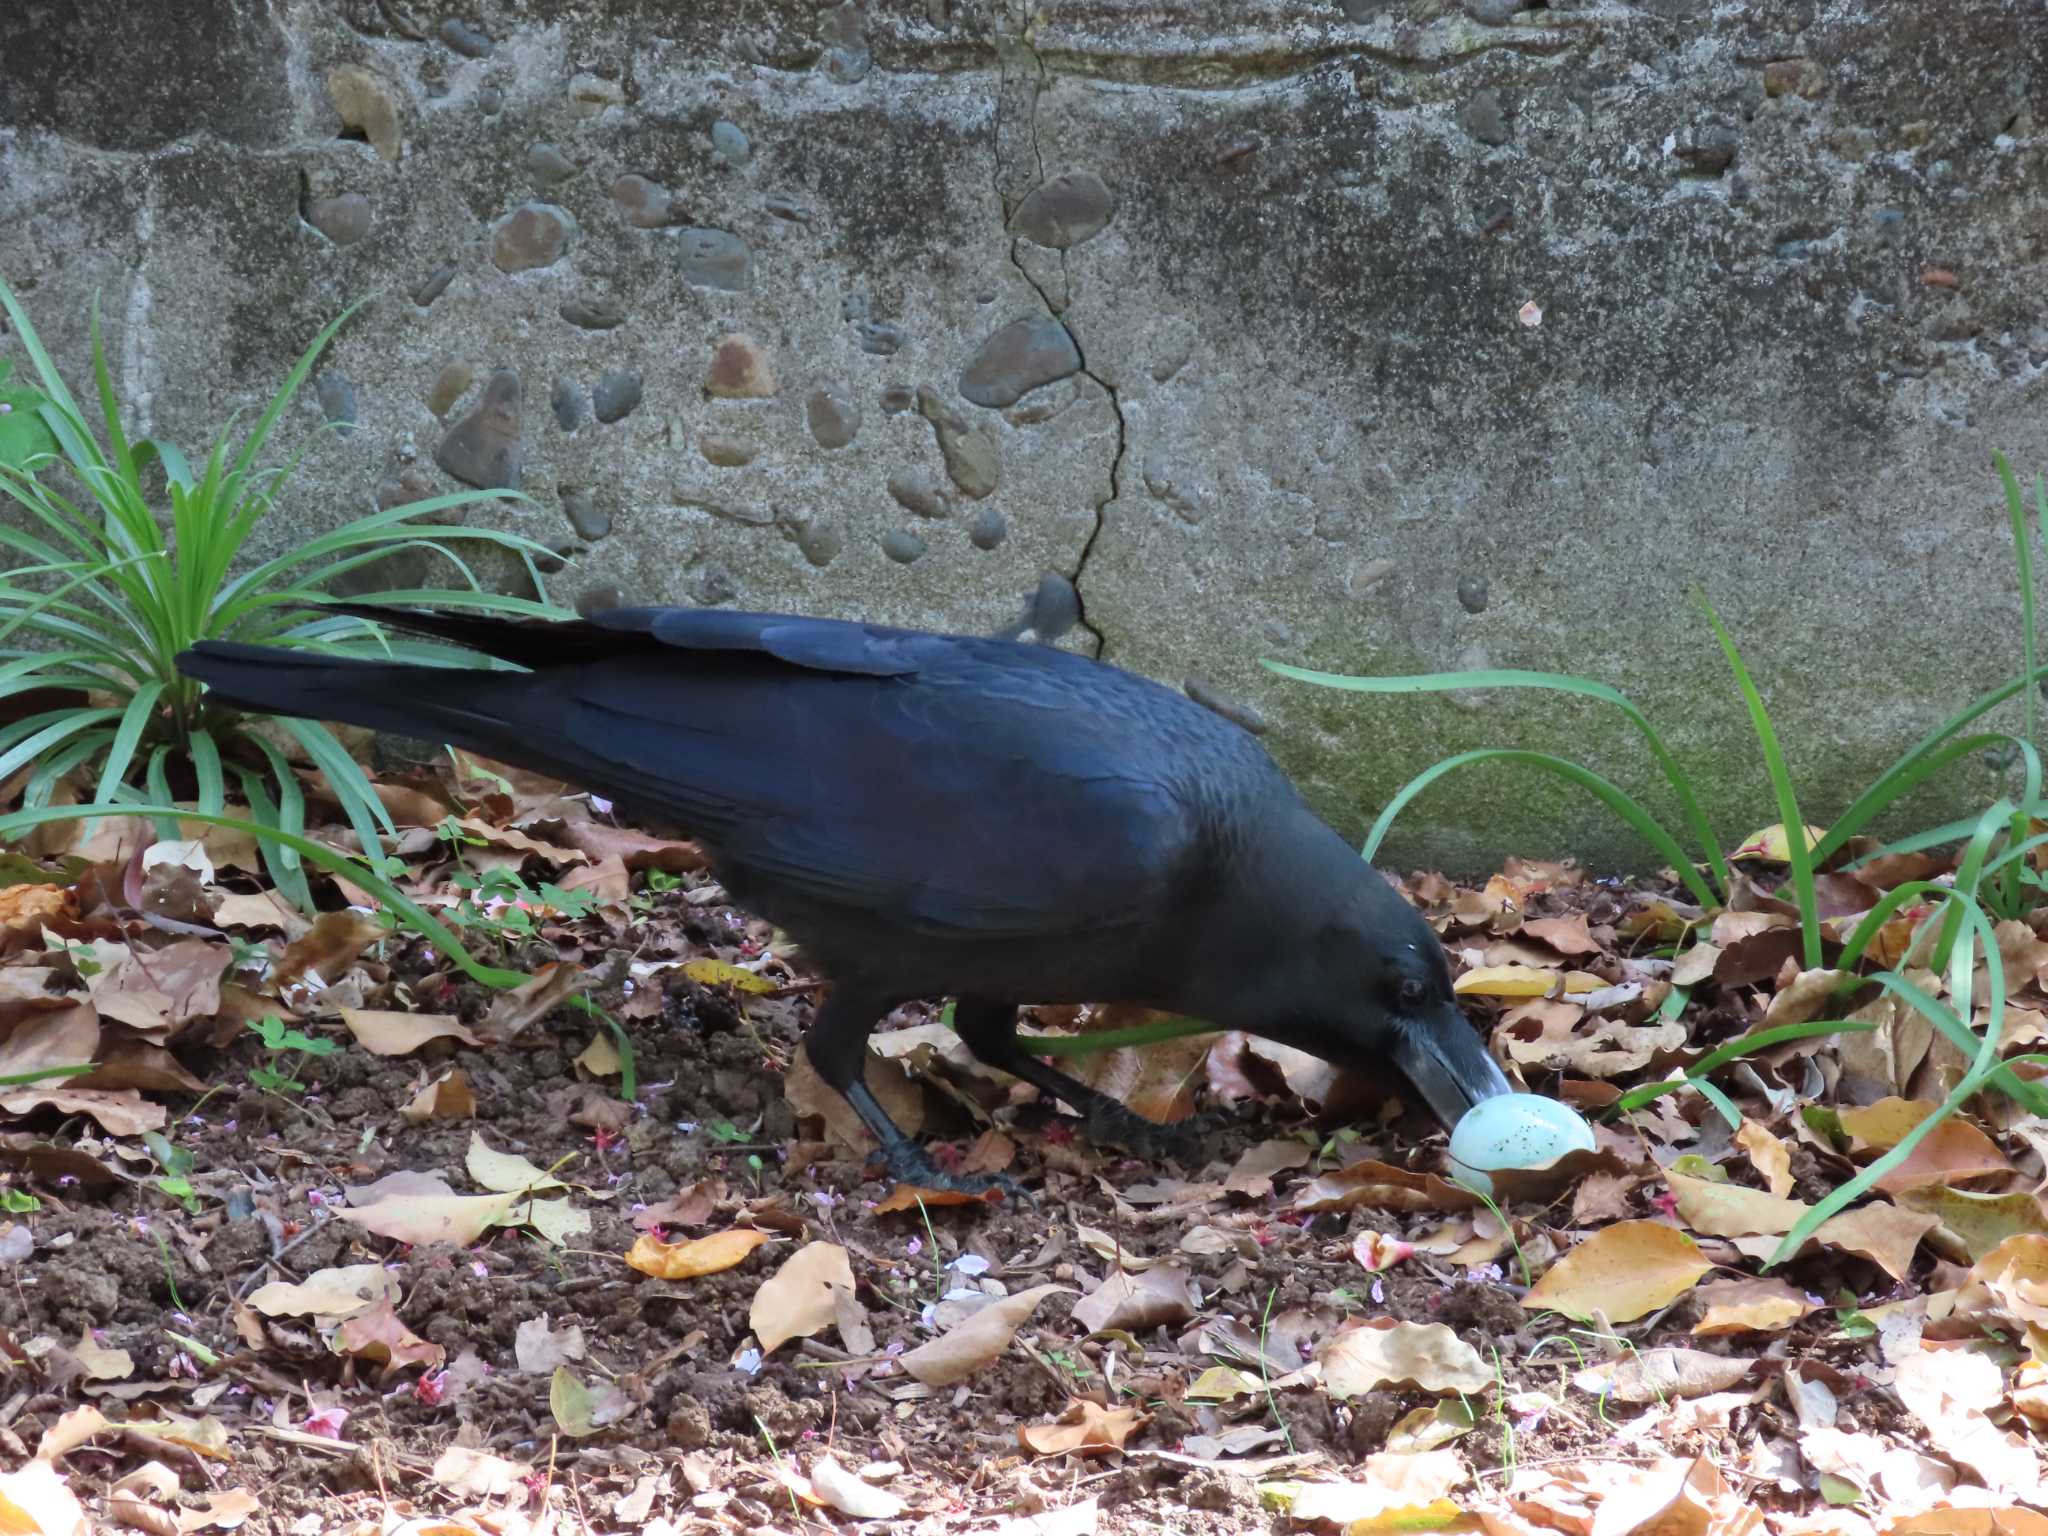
(1184, 1141)
(909, 1163)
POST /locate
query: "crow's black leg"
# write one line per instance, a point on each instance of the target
(990, 1031)
(837, 1044)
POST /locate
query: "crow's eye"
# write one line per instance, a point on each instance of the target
(1412, 993)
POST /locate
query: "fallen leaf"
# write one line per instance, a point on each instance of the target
(1508, 981)
(35, 1502)
(2011, 1279)
(1885, 1234)
(376, 1334)
(970, 1346)
(915, 1197)
(851, 1495)
(1135, 1302)
(1385, 1353)
(228, 1508)
(518, 1010)
(1085, 1427)
(1715, 1209)
(537, 1351)
(506, 1172)
(1221, 1383)
(582, 1410)
(601, 1057)
(1979, 1222)
(447, 1097)
(1652, 1375)
(1254, 1172)
(119, 1112)
(1623, 1272)
(699, 1256)
(102, 1363)
(689, 1207)
(1408, 1490)
(385, 1032)
(719, 973)
(477, 1474)
(1773, 845)
(328, 1293)
(1951, 1392)
(802, 1297)
(78, 1427)
(1953, 1151)
(1749, 1306)
(30, 906)
(1770, 1155)
(420, 1208)
(326, 949)
(1569, 936)
(1381, 1186)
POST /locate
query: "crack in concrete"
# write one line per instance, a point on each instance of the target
(1116, 463)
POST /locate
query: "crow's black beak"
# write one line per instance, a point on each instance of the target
(1447, 1062)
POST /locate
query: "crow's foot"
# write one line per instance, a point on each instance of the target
(1184, 1141)
(909, 1163)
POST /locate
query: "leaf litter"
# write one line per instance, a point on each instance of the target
(595, 1254)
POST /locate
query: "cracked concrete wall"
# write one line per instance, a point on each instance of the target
(1381, 335)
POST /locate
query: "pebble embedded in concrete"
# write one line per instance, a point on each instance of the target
(566, 401)
(970, 453)
(547, 165)
(434, 284)
(1484, 118)
(644, 203)
(1062, 212)
(903, 547)
(590, 521)
(834, 420)
(467, 40)
(988, 529)
(1472, 593)
(448, 388)
(820, 543)
(726, 452)
(714, 258)
(592, 314)
(880, 338)
(485, 448)
(729, 144)
(1017, 359)
(918, 491)
(616, 395)
(531, 236)
(740, 370)
(344, 219)
(337, 399)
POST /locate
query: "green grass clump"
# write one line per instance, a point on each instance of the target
(124, 554)
(1993, 878)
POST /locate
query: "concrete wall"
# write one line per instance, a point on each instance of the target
(1386, 335)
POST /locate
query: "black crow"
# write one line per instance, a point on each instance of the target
(935, 815)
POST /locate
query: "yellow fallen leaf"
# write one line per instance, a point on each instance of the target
(1770, 1155)
(1773, 845)
(1507, 981)
(1387, 1353)
(1881, 1126)
(506, 1172)
(420, 1208)
(1749, 1306)
(802, 1297)
(717, 973)
(392, 1032)
(1085, 1427)
(1885, 1234)
(600, 1058)
(1623, 1272)
(327, 1293)
(1954, 1151)
(1714, 1209)
(1219, 1384)
(2011, 1279)
(1980, 1222)
(447, 1097)
(699, 1256)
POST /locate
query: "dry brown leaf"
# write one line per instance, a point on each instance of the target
(476, 1474)
(1622, 1272)
(326, 949)
(970, 1346)
(991, 1152)
(1954, 1151)
(1254, 1173)
(73, 1429)
(699, 1256)
(447, 1097)
(1381, 1186)
(328, 1293)
(1885, 1234)
(2011, 1279)
(1749, 1306)
(1952, 1392)
(802, 1297)
(259, 909)
(1652, 1375)
(67, 1035)
(1769, 1155)
(690, 1207)
(420, 1208)
(1715, 1209)
(385, 1032)
(159, 991)
(532, 1000)
(120, 1113)
(635, 850)
(1134, 1302)
(852, 1495)
(1569, 936)
(376, 1334)
(916, 1197)
(901, 1097)
(1509, 981)
(1979, 1222)
(1385, 1353)
(1086, 1427)
(30, 906)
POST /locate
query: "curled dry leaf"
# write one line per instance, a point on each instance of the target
(584, 1410)
(1885, 1234)
(802, 1297)
(328, 1293)
(1381, 1186)
(1715, 1209)
(1652, 1375)
(1623, 1272)
(326, 949)
(376, 1334)
(961, 1351)
(1749, 1306)
(699, 1256)
(506, 1172)
(120, 1112)
(447, 1097)
(2011, 1280)
(1385, 1353)
(1086, 1427)
(476, 1474)
(1954, 1151)
(1134, 1302)
(912, 1197)
(1405, 1490)
(1979, 1222)
(1952, 1392)
(1770, 1155)
(851, 1495)
(389, 1032)
(1255, 1171)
